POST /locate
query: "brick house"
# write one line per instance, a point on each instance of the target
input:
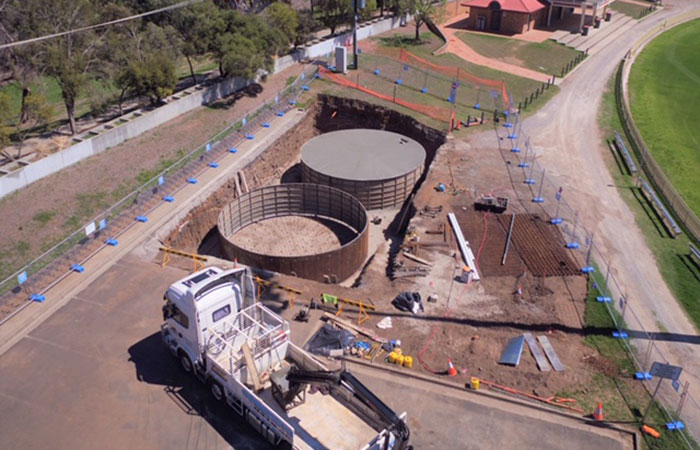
(505, 16)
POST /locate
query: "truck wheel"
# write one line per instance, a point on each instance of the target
(217, 390)
(185, 361)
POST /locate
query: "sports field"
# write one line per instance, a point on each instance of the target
(665, 102)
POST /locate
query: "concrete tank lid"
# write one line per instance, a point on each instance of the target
(363, 154)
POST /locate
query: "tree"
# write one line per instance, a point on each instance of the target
(38, 112)
(244, 44)
(425, 11)
(5, 123)
(69, 59)
(284, 18)
(146, 63)
(239, 57)
(335, 13)
(196, 26)
(369, 9)
(306, 27)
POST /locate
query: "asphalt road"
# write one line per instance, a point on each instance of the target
(96, 375)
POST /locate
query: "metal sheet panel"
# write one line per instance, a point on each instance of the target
(662, 370)
(512, 351)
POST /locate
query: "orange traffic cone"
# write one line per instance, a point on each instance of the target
(598, 414)
(651, 431)
(451, 371)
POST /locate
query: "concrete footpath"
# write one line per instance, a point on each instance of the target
(185, 199)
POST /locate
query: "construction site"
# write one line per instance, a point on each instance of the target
(537, 287)
(384, 271)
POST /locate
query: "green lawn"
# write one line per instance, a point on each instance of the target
(664, 97)
(547, 57)
(518, 87)
(629, 9)
(678, 270)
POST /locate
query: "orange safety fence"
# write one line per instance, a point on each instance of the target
(435, 112)
(454, 72)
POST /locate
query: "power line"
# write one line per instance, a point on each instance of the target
(100, 25)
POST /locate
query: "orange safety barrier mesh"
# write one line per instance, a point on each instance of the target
(455, 72)
(437, 113)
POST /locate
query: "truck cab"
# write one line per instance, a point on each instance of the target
(196, 304)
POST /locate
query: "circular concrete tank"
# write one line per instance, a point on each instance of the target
(379, 168)
(308, 230)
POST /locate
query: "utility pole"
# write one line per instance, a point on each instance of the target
(356, 4)
(354, 33)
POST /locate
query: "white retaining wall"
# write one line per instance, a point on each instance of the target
(175, 106)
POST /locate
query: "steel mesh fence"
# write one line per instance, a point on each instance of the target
(542, 196)
(30, 282)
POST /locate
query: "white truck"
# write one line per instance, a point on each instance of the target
(242, 350)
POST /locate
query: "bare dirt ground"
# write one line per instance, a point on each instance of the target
(35, 218)
(292, 236)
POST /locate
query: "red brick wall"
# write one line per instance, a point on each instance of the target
(511, 22)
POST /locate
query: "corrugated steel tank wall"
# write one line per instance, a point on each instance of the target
(372, 194)
(298, 199)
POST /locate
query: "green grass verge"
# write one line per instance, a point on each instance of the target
(664, 97)
(624, 399)
(628, 9)
(679, 271)
(547, 57)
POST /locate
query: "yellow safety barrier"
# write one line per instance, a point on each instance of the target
(362, 315)
(262, 284)
(197, 260)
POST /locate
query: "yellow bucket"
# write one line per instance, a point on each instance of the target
(400, 359)
(475, 383)
(392, 357)
(408, 361)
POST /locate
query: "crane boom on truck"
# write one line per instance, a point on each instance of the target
(242, 350)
